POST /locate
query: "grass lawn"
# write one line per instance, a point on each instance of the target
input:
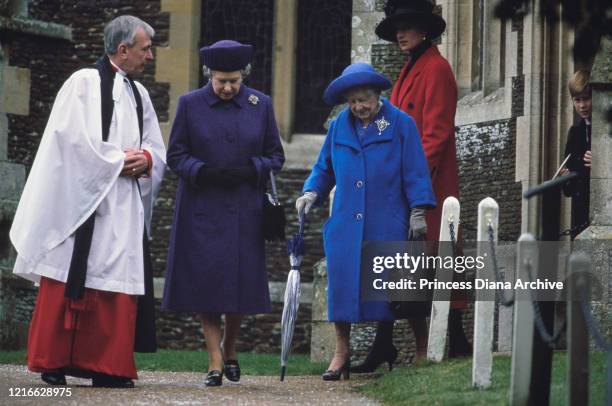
(449, 383)
(250, 364)
(197, 361)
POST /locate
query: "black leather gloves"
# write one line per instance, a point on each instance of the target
(246, 174)
(226, 177)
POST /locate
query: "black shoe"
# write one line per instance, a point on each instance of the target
(334, 374)
(231, 369)
(375, 358)
(214, 378)
(53, 378)
(111, 381)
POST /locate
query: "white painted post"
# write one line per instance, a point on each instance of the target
(522, 337)
(438, 324)
(484, 312)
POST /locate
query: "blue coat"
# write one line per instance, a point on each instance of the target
(216, 260)
(378, 177)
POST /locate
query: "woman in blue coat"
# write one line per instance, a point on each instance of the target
(223, 143)
(372, 154)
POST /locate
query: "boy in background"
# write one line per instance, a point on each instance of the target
(579, 146)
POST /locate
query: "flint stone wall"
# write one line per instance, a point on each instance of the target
(51, 61)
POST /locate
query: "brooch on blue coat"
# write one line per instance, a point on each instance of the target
(253, 99)
(382, 124)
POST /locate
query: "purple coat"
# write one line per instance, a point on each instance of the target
(216, 260)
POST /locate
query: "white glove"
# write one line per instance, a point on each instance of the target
(418, 226)
(305, 202)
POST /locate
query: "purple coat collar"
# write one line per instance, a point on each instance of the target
(239, 100)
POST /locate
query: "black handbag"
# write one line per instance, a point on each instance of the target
(274, 219)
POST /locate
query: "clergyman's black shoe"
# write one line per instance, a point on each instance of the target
(214, 378)
(53, 378)
(231, 370)
(111, 381)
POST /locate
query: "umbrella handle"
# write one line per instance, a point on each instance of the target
(302, 222)
(273, 186)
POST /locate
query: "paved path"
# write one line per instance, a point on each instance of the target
(187, 388)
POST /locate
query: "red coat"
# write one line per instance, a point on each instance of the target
(428, 93)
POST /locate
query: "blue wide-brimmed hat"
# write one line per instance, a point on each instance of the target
(226, 55)
(358, 74)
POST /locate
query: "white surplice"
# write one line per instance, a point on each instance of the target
(76, 173)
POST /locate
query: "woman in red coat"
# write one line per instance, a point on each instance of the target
(425, 89)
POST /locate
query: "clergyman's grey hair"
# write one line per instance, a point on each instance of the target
(207, 72)
(123, 29)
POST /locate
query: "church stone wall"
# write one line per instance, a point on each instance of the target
(51, 61)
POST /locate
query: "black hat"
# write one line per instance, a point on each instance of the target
(419, 11)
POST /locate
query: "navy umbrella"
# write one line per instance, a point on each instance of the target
(295, 248)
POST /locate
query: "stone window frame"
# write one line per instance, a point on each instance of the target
(284, 64)
(284, 71)
(178, 64)
(482, 51)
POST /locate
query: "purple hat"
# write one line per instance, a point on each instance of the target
(226, 55)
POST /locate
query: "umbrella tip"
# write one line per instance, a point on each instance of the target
(282, 374)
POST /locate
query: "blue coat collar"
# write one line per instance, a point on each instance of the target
(381, 130)
(212, 99)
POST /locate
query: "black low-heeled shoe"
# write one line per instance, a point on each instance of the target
(231, 370)
(53, 378)
(111, 381)
(214, 378)
(335, 374)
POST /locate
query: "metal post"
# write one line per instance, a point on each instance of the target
(484, 312)
(522, 337)
(438, 325)
(542, 353)
(577, 331)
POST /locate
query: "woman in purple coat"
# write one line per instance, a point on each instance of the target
(224, 142)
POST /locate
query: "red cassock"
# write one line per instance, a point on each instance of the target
(92, 334)
(428, 93)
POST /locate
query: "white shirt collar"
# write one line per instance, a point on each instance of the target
(119, 70)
